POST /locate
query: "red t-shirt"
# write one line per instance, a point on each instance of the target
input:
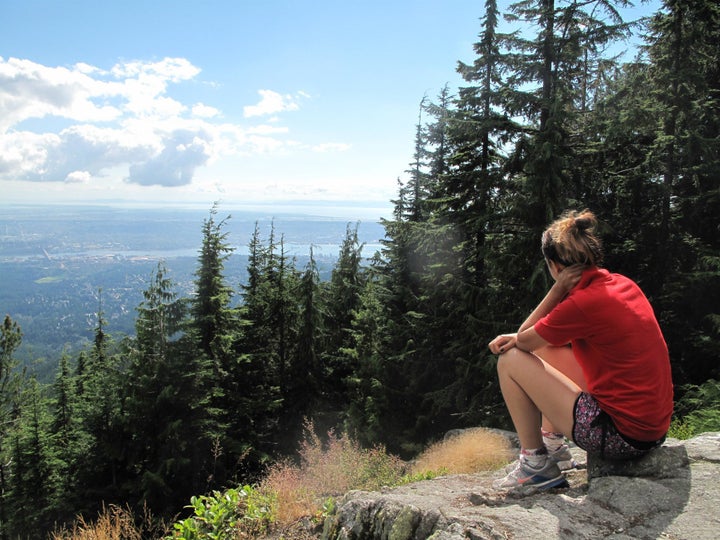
(620, 347)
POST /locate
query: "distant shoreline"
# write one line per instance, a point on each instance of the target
(332, 210)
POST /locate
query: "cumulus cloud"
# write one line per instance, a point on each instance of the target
(272, 103)
(78, 177)
(175, 165)
(204, 111)
(30, 90)
(122, 118)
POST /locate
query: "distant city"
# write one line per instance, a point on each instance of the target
(60, 265)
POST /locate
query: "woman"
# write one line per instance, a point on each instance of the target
(619, 403)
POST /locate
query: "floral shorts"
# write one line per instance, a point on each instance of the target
(594, 432)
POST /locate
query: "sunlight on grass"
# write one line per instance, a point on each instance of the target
(471, 451)
(328, 469)
(113, 523)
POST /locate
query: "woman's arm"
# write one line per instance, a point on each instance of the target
(526, 337)
(529, 340)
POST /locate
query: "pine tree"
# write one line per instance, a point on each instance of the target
(67, 441)
(684, 262)
(100, 412)
(213, 319)
(32, 489)
(341, 299)
(263, 314)
(164, 412)
(301, 391)
(553, 69)
(283, 322)
(373, 417)
(11, 383)
(214, 327)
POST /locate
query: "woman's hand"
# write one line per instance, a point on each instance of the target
(568, 278)
(502, 343)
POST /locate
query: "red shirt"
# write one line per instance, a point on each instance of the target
(620, 347)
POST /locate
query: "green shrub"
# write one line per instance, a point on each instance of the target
(223, 515)
(698, 411)
(680, 429)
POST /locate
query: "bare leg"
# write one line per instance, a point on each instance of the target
(532, 388)
(562, 359)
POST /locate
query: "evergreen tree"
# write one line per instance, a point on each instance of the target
(262, 313)
(373, 416)
(684, 264)
(100, 412)
(10, 387)
(655, 179)
(214, 327)
(36, 473)
(283, 323)
(68, 440)
(213, 319)
(341, 299)
(164, 411)
(301, 391)
(568, 37)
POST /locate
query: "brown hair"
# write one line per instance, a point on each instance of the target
(571, 239)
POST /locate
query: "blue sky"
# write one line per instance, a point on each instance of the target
(239, 101)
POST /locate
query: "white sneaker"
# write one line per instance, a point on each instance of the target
(562, 457)
(524, 479)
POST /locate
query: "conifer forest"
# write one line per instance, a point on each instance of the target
(392, 348)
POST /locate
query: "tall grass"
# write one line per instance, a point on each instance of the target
(113, 523)
(327, 469)
(470, 451)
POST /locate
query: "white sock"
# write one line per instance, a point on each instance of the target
(552, 441)
(534, 457)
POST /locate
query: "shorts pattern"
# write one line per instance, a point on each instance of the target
(594, 432)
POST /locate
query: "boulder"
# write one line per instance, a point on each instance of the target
(670, 493)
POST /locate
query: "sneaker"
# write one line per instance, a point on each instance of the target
(561, 456)
(564, 459)
(525, 480)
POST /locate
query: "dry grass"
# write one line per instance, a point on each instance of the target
(294, 499)
(473, 450)
(113, 523)
(327, 469)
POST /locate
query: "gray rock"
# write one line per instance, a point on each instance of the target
(664, 462)
(671, 493)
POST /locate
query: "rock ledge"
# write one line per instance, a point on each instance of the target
(672, 493)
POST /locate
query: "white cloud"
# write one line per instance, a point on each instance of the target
(30, 90)
(271, 103)
(168, 69)
(175, 165)
(204, 111)
(122, 119)
(78, 177)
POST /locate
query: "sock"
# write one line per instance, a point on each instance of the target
(534, 457)
(552, 441)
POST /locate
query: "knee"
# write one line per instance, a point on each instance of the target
(507, 361)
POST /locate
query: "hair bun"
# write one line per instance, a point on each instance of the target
(583, 223)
